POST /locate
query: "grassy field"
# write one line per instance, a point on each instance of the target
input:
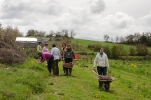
(31, 81)
(85, 43)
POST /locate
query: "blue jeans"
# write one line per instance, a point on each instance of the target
(101, 70)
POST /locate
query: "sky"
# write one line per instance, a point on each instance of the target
(90, 19)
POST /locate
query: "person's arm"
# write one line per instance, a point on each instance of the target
(59, 54)
(106, 61)
(95, 61)
(44, 49)
(64, 55)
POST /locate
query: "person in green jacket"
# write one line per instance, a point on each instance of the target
(39, 48)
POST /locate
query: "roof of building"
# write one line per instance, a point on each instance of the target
(25, 39)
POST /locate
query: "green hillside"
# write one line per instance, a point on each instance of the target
(31, 81)
(85, 43)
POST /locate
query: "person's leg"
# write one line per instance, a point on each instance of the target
(104, 70)
(57, 68)
(54, 67)
(70, 71)
(64, 70)
(67, 60)
(99, 69)
(49, 66)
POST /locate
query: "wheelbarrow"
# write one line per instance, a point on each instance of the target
(105, 80)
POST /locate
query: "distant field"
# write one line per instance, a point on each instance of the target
(90, 42)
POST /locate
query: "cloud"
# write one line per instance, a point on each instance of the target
(20, 8)
(75, 18)
(30, 14)
(119, 20)
(97, 6)
(84, 17)
(146, 20)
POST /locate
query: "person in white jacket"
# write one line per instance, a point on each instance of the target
(101, 61)
(56, 54)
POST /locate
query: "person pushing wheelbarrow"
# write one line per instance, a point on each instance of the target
(101, 61)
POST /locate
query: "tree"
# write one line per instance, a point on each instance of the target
(72, 33)
(130, 38)
(112, 39)
(136, 37)
(106, 37)
(116, 39)
(121, 39)
(66, 34)
(9, 34)
(58, 34)
(51, 34)
(143, 39)
(41, 33)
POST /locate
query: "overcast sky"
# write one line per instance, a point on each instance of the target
(88, 18)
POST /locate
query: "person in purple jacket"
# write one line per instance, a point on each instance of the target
(46, 56)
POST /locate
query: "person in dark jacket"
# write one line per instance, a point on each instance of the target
(68, 59)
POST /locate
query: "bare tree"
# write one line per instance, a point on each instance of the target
(116, 39)
(136, 37)
(106, 37)
(121, 39)
(111, 39)
(72, 34)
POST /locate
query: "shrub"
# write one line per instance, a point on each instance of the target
(141, 50)
(94, 47)
(8, 35)
(132, 51)
(118, 51)
(107, 50)
(10, 55)
(115, 53)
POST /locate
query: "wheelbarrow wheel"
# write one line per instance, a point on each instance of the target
(107, 86)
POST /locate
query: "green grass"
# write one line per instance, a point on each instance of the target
(31, 81)
(85, 43)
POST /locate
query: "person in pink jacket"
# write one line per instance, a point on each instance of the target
(46, 56)
(45, 48)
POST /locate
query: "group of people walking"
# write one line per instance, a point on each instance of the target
(54, 56)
